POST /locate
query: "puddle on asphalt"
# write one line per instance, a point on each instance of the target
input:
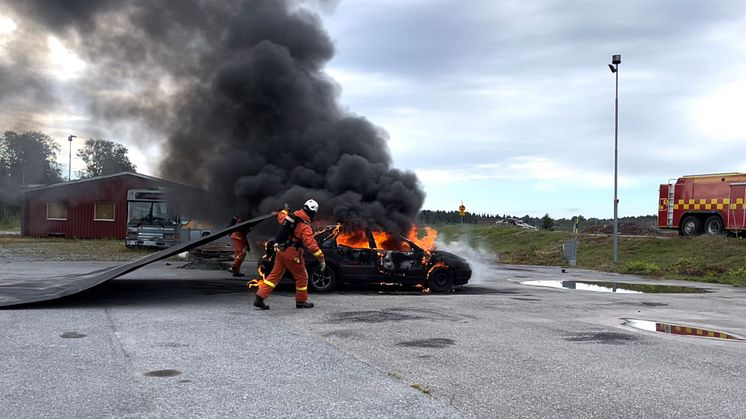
(372, 317)
(677, 329)
(72, 335)
(612, 338)
(171, 345)
(347, 334)
(162, 373)
(428, 343)
(617, 287)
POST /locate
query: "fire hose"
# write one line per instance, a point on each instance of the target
(32, 290)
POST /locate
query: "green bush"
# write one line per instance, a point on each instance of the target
(696, 267)
(639, 267)
(736, 276)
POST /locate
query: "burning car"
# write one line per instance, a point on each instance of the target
(372, 257)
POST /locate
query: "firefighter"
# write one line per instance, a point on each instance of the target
(295, 234)
(240, 244)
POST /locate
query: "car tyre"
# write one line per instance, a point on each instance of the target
(440, 280)
(714, 226)
(690, 226)
(323, 281)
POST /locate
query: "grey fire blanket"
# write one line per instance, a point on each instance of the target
(31, 290)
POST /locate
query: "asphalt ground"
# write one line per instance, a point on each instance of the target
(171, 342)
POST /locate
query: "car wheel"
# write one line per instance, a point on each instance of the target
(714, 226)
(323, 281)
(440, 280)
(690, 226)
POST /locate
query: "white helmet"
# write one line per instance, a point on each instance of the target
(311, 205)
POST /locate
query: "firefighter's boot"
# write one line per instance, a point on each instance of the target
(304, 304)
(259, 303)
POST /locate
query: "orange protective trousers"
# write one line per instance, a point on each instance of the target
(239, 245)
(290, 259)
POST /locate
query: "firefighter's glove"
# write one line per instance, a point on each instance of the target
(322, 266)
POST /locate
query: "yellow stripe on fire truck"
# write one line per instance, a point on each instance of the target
(703, 204)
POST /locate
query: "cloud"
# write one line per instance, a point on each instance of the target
(63, 63)
(719, 114)
(540, 172)
(7, 25)
(487, 92)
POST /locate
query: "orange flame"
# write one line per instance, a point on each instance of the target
(383, 241)
(254, 283)
(436, 266)
(425, 290)
(428, 241)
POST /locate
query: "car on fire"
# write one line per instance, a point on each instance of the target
(375, 260)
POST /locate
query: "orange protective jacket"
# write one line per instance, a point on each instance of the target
(239, 235)
(303, 233)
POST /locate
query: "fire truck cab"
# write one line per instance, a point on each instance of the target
(710, 204)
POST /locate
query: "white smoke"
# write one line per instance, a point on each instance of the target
(480, 259)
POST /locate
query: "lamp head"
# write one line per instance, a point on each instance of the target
(70, 137)
(616, 59)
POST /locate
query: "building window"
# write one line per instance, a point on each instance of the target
(56, 211)
(103, 211)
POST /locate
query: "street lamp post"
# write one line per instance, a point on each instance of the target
(614, 67)
(70, 159)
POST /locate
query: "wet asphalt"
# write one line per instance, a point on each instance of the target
(170, 342)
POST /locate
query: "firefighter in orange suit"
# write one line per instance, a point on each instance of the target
(289, 255)
(240, 246)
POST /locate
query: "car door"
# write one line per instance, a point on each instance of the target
(357, 264)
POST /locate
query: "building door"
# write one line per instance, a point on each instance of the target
(737, 207)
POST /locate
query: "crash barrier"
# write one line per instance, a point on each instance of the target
(570, 250)
(33, 290)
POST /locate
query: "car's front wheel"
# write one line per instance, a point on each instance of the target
(323, 281)
(440, 280)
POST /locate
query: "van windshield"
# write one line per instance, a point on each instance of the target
(150, 213)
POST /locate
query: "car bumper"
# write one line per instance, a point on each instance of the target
(461, 276)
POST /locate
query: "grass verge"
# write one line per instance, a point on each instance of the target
(712, 259)
(13, 248)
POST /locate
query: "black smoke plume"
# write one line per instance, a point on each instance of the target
(238, 90)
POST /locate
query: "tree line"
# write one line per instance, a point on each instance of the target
(30, 158)
(545, 223)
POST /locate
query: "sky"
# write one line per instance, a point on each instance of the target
(506, 106)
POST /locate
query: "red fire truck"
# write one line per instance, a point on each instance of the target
(710, 204)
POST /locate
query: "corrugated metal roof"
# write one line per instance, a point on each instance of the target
(79, 181)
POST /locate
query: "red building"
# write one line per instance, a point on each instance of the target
(94, 208)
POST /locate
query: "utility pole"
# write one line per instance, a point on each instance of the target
(70, 158)
(614, 67)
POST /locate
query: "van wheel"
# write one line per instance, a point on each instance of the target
(714, 226)
(690, 226)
